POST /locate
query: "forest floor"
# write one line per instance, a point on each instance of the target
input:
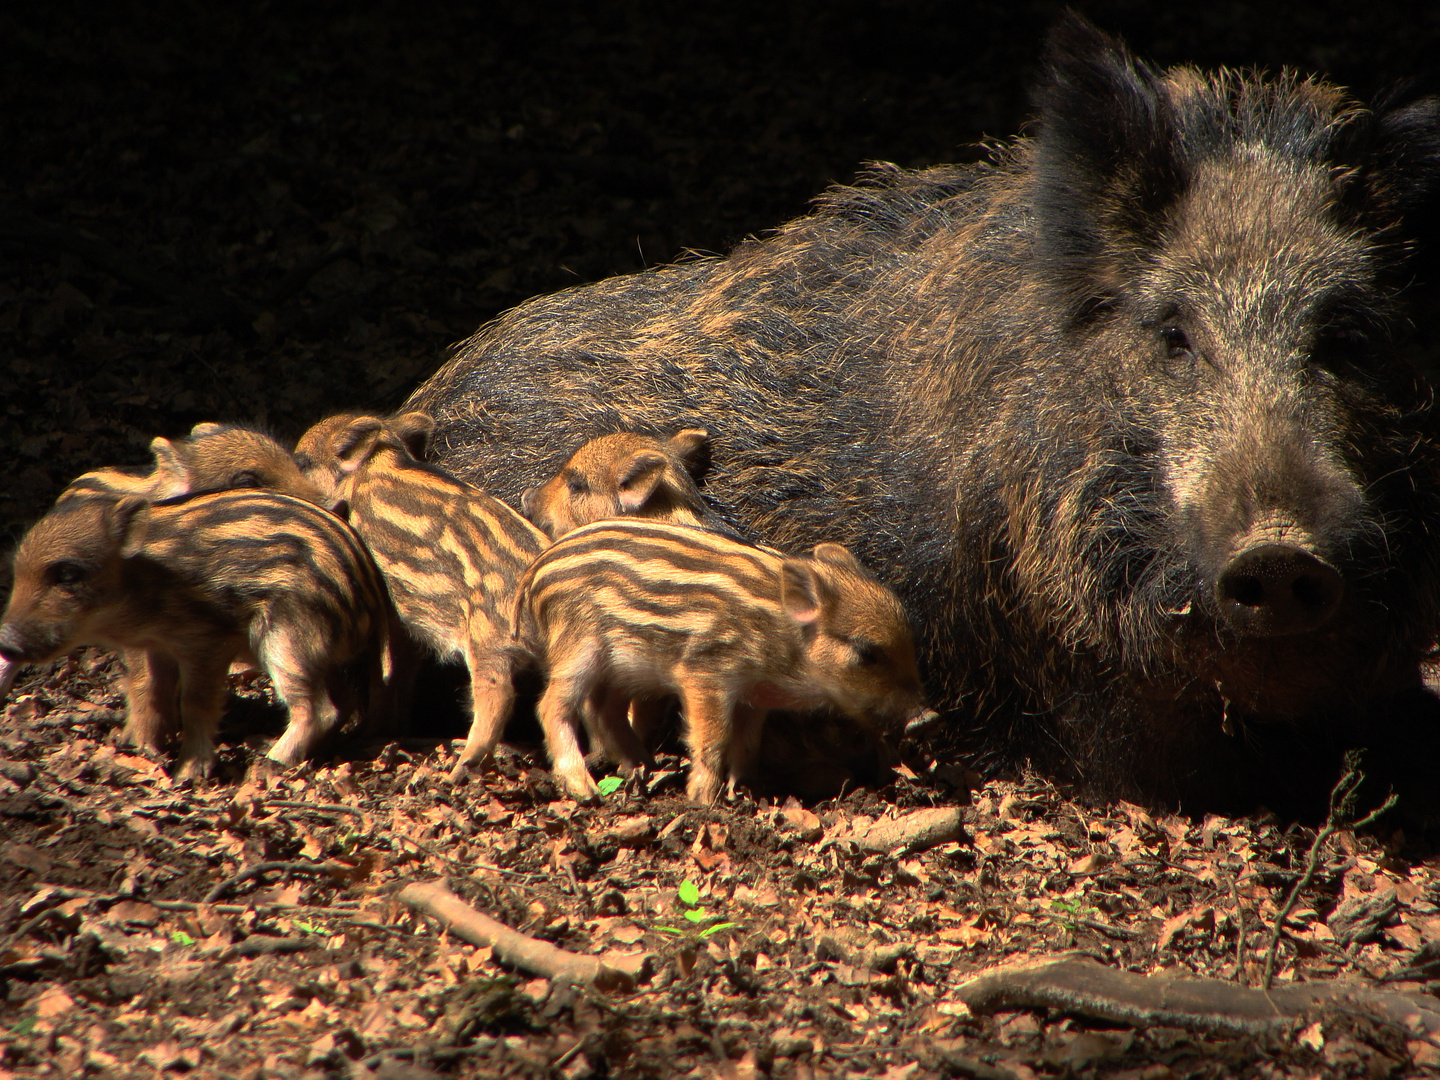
(252, 926)
(230, 212)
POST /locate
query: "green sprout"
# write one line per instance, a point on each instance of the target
(689, 896)
(610, 784)
(180, 937)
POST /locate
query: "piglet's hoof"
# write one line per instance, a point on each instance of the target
(199, 768)
(267, 769)
(459, 776)
(578, 783)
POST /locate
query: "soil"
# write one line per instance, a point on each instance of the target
(268, 213)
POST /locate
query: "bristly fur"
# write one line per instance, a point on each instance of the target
(1048, 397)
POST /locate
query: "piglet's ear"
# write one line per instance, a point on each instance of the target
(171, 477)
(836, 555)
(129, 522)
(802, 593)
(209, 427)
(414, 430)
(352, 443)
(693, 447)
(639, 478)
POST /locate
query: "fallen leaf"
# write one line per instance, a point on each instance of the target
(53, 1002)
(27, 858)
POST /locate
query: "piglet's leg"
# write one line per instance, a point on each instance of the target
(609, 725)
(307, 699)
(152, 687)
(707, 710)
(647, 716)
(202, 697)
(559, 710)
(492, 696)
(745, 745)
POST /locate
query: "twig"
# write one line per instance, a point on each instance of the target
(1123, 933)
(1239, 932)
(1342, 806)
(511, 946)
(344, 907)
(269, 868)
(564, 1059)
(260, 945)
(328, 808)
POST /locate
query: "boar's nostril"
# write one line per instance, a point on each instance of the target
(1275, 589)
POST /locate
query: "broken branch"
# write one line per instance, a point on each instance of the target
(1342, 808)
(915, 831)
(1079, 985)
(527, 953)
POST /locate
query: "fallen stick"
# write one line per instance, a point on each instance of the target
(1076, 984)
(915, 831)
(514, 948)
(270, 868)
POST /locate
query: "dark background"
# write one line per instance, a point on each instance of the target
(269, 212)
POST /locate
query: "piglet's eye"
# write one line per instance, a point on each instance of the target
(246, 478)
(867, 653)
(304, 462)
(577, 485)
(66, 573)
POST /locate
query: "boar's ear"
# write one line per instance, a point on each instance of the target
(414, 430)
(693, 447)
(351, 442)
(837, 555)
(129, 521)
(171, 477)
(209, 427)
(638, 479)
(1106, 165)
(1400, 162)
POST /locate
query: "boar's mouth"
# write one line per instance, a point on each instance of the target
(1277, 589)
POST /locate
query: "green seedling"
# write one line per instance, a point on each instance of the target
(704, 923)
(309, 928)
(610, 784)
(180, 937)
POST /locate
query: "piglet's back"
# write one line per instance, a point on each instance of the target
(652, 580)
(257, 545)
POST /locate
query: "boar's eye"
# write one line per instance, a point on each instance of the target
(577, 485)
(65, 573)
(1176, 342)
(304, 462)
(1340, 345)
(246, 478)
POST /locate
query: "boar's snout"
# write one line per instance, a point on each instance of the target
(1270, 590)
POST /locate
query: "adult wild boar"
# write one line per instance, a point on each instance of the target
(1122, 415)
